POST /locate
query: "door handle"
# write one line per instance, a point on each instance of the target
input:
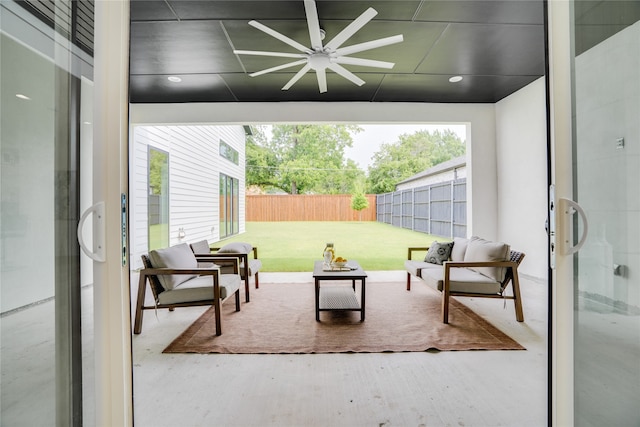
(568, 209)
(98, 232)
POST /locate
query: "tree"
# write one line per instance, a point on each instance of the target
(304, 159)
(359, 202)
(411, 154)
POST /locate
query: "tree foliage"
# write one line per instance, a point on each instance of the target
(411, 154)
(359, 202)
(303, 159)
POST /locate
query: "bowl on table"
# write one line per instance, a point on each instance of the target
(339, 262)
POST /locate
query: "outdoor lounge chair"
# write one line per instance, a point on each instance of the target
(177, 281)
(249, 266)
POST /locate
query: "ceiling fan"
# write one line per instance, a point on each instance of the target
(321, 57)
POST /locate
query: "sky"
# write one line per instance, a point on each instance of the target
(368, 142)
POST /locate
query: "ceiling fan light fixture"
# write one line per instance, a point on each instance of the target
(455, 79)
(174, 79)
(320, 56)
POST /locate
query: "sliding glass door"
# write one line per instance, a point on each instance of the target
(606, 180)
(45, 128)
(595, 92)
(229, 206)
(158, 198)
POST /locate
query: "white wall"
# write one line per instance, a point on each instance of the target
(522, 175)
(608, 177)
(194, 180)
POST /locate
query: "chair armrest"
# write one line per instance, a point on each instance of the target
(411, 250)
(170, 271)
(223, 259)
(255, 252)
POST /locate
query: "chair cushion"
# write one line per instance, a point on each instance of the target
(178, 256)
(200, 289)
(254, 266)
(438, 252)
(201, 247)
(479, 249)
(414, 267)
(236, 248)
(459, 249)
(461, 280)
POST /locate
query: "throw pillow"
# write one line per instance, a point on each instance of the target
(179, 256)
(439, 252)
(236, 248)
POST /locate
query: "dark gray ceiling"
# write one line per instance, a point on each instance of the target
(497, 46)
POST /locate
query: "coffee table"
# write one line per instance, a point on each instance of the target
(339, 297)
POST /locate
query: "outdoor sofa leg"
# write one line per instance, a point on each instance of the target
(257, 283)
(517, 298)
(445, 296)
(237, 295)
(142, 287)
(408, 281)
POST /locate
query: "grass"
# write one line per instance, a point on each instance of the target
(294, 246)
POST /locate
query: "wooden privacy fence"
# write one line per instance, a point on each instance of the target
(303, 207)
(438, 209)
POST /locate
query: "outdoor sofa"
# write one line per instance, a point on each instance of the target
(472, 267)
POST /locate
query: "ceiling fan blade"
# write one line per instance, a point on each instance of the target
(369, 45)
(279, 36)
(346, 74)
(321, 74)
(362, 62)
(352, 28)
(278, 54)
(297, 77)
(313, 23)
(279, 67)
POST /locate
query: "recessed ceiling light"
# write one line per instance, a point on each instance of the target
(21, 96)
(455, 79)
(174, 79)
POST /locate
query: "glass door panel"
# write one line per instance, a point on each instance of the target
(158, 200)
(606, 151)
(41, 135)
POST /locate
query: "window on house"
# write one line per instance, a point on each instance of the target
(229, 153)
(229, 205)
(158, 199)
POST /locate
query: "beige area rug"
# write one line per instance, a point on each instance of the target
(281, 319)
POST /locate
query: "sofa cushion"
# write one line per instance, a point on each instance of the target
(461, 280)
(459, 249)
(415, 267)
(178, 256)
(480, 250)
(236, 248)
(200, 289)
(438, 252)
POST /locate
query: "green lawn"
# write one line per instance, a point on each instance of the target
(293, 246)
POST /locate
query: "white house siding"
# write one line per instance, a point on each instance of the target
(194, 179)
(445, 176)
